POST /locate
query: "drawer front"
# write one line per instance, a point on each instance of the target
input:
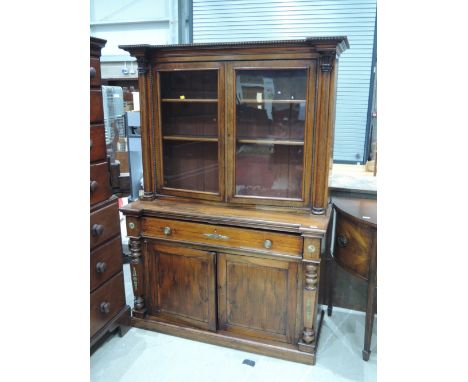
(97, 143)
(105, 262)
(100, 188)
(231, 237)
(105, 224)
(95, 72)
(106, 302)
(352, 245)
(96, 113)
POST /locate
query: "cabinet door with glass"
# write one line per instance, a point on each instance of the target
(190, 135)
(270, 139)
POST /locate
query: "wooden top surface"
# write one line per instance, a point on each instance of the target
(362, 209)
(255, 217)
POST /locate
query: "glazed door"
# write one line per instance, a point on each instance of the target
(182, 282)
(190, 131)
(257, 297)
(270, 130)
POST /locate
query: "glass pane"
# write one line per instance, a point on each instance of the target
(270, 124)
(269, 170)
(190, 119)
(271, 103)
(191, 165)
(189, 84)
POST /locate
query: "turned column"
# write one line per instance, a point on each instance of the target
(309, 306)
(137, 265)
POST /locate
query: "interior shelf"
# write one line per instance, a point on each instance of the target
(189, 100)
(271, 142)
(188, 138)
(286, 101)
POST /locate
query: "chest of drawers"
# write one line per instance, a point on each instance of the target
(108, 310)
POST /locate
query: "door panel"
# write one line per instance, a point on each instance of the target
(257, 297)
(184, 285)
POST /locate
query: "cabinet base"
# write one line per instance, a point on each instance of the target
(121, 321)
(277, 350)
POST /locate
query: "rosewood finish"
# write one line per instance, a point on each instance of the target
(108, 310)
(226, 242)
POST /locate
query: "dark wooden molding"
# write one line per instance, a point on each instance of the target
(326, 62)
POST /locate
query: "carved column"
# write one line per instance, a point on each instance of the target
(325, 120)
(145, 84)
(309, 307)
(137, 275)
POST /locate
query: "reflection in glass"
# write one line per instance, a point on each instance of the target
(191, 165)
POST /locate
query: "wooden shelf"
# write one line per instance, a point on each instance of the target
(273, 101)
(271, 142)
(190, 100)
(192, 139)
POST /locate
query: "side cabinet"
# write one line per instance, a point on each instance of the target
(183, 284)
(257, 297)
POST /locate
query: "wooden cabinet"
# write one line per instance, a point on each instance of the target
(108, 310)
(237, 143)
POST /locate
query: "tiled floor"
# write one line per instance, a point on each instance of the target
(149, 356)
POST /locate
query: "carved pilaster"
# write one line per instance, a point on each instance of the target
(326, 62)
(142, 65)
(136, 268)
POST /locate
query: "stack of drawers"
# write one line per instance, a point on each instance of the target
(108, 309)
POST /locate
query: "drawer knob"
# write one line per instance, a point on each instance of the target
(101, 267)
(311, 248)
(267, 244)
(92, 72)
(167, 231)
(93, 185)
(105, 307)
(97, 229)
(342, 240)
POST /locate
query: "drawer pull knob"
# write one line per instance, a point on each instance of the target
(216, 236)
(167, 231)
(311, 248)
(105, 307)
(97, 229)
(342, 240)
(93, 185)
(267, 244)
(101, 267)
(92, 72)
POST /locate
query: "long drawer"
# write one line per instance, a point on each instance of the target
(104, 224)
(232, 237)
(100, 182)
(106, 302)
(105, 262)
(96, 112)
(97, 143)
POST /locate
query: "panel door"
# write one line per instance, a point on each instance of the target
(257, 297)
(270, 121)
(190, 132)
(182, 285)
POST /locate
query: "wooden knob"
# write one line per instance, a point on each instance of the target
(342, 240)
(97, 229)
(101, 267)
(94, 185)
(92, 72)
(267, 244)
(167, 231)
(105, 307)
